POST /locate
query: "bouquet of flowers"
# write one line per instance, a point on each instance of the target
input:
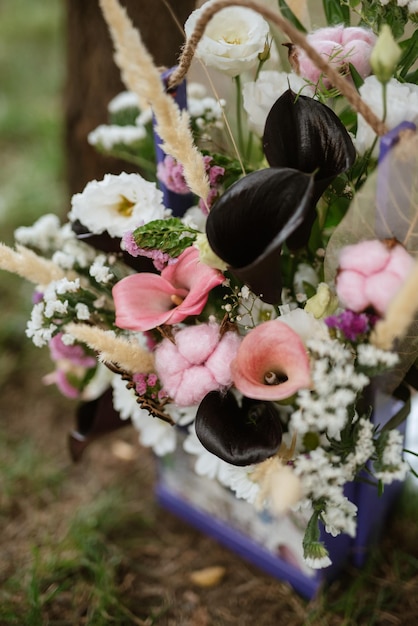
(252, 291)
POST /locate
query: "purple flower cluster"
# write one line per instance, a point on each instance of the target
(351, 324)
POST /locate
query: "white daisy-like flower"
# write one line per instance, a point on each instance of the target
(117, 204)
(238, 479)
(206, 463)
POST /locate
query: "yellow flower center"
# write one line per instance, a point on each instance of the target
(125, 206)
(177, 300)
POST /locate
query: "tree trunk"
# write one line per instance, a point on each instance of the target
(93, 78)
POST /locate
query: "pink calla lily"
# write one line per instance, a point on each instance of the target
(144, 301)
(271, 363)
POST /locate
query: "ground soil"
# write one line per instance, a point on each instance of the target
(160, 552)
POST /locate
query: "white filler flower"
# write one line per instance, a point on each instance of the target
(117, 204)
(233, 39)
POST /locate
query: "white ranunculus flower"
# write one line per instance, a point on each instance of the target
(402, 106)
(233, 39)
(117, 204)
(259, 96)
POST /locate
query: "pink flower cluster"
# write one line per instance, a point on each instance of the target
(340, 46)
(171, 174)
(160, 259)
(197, 363)
(370, 273)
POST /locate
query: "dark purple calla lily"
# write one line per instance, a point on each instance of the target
(247, 226)
(304, 134)
(240, 435)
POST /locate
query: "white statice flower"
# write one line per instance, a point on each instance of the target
(55, 307)
(370, 356)
(413, 6)
(340, 517)
(233, 39)
(122, 101)
(402, 105)
(364, 448)
(107, 136)
(153, 432)
(335, 385)
(99, 271)
(117, 204)
(82, 311)
(391, 465)
(322, 478)
(36, 328)
(260, 95)
(45, 234)
(318, 562)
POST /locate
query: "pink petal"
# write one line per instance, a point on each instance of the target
(357, 34)
(330, 33)
(400, 262)
(143, 301)
(219, 363)
(381, 289)
(358, 54)
(271, 347)
(189, 273)
(351, 290)
(168, 360)
(197, 381)
(365, 257)
(197, 343)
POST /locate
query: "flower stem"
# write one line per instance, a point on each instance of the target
(239, 113)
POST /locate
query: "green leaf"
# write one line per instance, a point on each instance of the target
(336, 12)
(410, 54)
(357, 79)
(170, 236)
(287, 12)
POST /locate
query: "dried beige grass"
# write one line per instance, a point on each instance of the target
(28, 265)
(400, 314)
(141, 76)
(129, 355)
